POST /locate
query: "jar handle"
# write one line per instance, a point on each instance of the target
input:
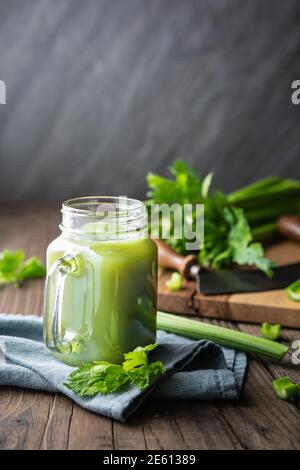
(67, 264)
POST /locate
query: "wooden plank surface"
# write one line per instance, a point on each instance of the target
(255, 307)
(36, 420)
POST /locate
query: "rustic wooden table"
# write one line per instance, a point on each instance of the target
(35, 420)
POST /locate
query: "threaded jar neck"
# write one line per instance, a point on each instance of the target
(104, 218)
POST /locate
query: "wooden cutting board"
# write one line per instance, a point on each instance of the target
(257, 307)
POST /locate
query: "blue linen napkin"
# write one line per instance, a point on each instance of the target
(195, 369)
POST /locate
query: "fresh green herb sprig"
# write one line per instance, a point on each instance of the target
(103, 377)
(285, 389)
(14, 269)
(228, 238)
(227, 235)
(142, 373)
(271, 332)
(186, 187)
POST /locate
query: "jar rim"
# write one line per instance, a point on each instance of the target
(103, 217)
(70, 205)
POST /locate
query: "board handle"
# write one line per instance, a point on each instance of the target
(289, 226)
(172, 260)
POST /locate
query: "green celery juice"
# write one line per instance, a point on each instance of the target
(108, 305)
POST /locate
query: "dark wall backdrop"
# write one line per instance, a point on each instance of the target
(101, 91)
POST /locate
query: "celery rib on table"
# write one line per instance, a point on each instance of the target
(220, 335)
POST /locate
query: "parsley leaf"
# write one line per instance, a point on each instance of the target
(239, 241)
(145, 375)
(103, 377)
(32, 268)
(96, 377)
(137, 357)
(140, 372)
(13, 268)
(10, 262)
(227, 238)
(185, 188)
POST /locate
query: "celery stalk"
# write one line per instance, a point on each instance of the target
(222, 336)
(254, 188)
(265, 233)
(264, 190)
(264, 201)
(271, 212)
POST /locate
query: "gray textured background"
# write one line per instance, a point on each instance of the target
(101, 91)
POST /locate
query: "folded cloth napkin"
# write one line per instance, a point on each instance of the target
(195, 369)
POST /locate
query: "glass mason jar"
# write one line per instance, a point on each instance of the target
(100, 294)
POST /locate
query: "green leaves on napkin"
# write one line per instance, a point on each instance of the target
(103, 377)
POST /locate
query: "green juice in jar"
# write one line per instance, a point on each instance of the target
(101, 295)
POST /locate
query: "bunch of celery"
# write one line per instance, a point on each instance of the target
(227, 235)
(234, 223)
(266, 200)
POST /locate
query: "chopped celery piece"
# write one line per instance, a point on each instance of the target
(293, 291)
(223, 336)
(175, 282)
(270, 331)
(285, 389)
